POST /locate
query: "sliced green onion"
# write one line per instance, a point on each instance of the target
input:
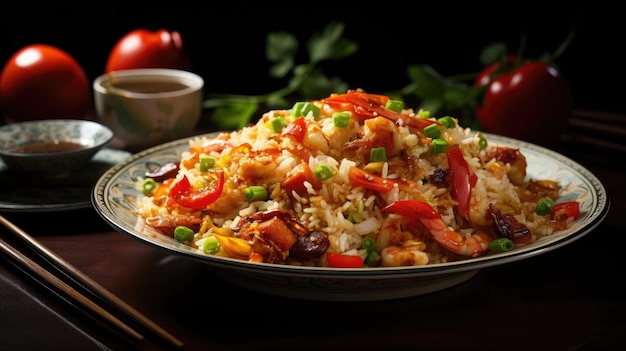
(277, 124)
(182, 234)
(206, 163)
(372, 259)
(501, 245)
(256, 192)
(378, 154)
(357, 215)
(447, 122)
(148, 186)
(438, 146)
(369, 244)
(341, 119)
(394, 105)
(482, 143)
(544, 206)
(303, 109)
(432, 131)
(323, 172)
(423, 114)
(211, 246)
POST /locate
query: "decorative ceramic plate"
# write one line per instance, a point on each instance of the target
(115, 199)
(20, 193)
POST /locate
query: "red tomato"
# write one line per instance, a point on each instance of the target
(43, 82)
(142, 48)
(530, 102)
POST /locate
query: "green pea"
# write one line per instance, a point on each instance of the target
(211, 246)
(182, 234)
(544, 206)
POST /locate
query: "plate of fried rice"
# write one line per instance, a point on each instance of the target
(352, 197)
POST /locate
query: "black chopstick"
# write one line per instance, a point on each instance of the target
(86, 281)
(61, 286)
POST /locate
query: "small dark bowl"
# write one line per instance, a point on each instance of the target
(51, 148)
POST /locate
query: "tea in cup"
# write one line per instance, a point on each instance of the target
(148, 106)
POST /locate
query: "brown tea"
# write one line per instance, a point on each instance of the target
(149, 86)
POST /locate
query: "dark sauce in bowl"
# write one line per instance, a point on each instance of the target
(46, 147)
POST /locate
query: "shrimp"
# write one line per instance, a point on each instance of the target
(465, 245)
(378, 132)
(513, 157)
(315, 139)
(411, 253)
(167, 222)
(391, 233)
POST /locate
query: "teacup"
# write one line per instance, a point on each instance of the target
(148, 106)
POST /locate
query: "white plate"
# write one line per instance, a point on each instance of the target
(19, 193)
(115, 199)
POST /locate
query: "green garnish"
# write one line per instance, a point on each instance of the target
(394, 105)
(482, 143)
(231, 111)
(501, 245)
(341, 119)
(277, 124)
(447, 122)
(206, 163)
(378, 154)
(432, 131)
(423, 114)
(368, 244)
(372, 259)
(544, 206)
(323, 172)
(304, 108)
(438, 146)
(211, 246)
(256, 193)
(183, 234)
(148, 186)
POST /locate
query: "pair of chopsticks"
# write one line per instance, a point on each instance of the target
(54, 282)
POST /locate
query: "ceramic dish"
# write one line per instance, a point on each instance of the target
(51, 148)
(115, 199)
(32, 194)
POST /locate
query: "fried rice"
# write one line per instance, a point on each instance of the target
(352, 180)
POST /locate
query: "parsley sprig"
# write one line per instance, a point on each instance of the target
(308, 81)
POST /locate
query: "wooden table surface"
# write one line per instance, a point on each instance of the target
(571, 298)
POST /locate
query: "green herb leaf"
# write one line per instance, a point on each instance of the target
(308, 81)
(235, 115)
(329, 45)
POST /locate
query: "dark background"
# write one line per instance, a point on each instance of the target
(226, 47)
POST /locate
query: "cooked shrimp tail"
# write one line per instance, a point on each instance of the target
(466, 245)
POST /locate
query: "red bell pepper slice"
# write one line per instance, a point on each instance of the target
(463, 179)
(368, 106)
(412, 209)
(337, 260)
(359, 177)
(185, 195)
(564, 210)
